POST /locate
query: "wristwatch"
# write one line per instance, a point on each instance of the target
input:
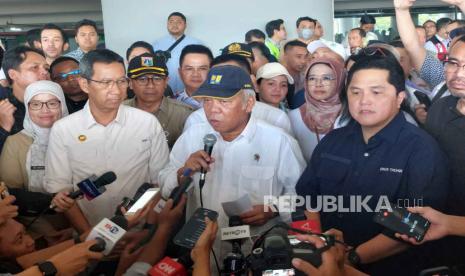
(47, 268)
(353, 257)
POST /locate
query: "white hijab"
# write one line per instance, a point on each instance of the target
(35, 160)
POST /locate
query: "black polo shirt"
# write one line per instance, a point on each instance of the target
(447, 125)
(19, 114)
(400, 162)
(74, 106)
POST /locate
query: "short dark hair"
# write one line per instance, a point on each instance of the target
(85, 22)
(304, 18)
(396, 74)
(33, 35)
(60, 60)
(443, 22)
(254, 33)
(263, 50)
(429, 20)
(272, 26)
(195, 49)
(459, 22)
(361, 31)
(294, 43)
(86, 66)
(141, 44)
(51, 26)
(240, 60)
(367, 19)
(178, 14)
(14, 57)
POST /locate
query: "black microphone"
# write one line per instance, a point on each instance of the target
(90, 188)
(178, 191)
(209, 141)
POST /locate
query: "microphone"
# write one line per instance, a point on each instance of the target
(128, 202)
(170, 267)
(107, 233)
(235, 263)
(92, 188)
(300, 221)
(209, 141)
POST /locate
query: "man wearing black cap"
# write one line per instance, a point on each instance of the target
(240, 49)
(250, 158)
(148, 79)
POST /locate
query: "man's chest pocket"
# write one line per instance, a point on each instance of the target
(85, 155)
(332, 173)
(257, 181)
(136, 152)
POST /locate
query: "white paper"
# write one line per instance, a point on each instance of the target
(238, 206)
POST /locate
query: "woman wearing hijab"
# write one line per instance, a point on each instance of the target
(22, 162)
(324, 80)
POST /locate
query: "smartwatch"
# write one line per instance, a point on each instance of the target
(47, 268)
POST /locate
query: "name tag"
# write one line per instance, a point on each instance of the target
(393, 170)
(37, 168)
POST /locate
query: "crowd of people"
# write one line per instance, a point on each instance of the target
(291, 117)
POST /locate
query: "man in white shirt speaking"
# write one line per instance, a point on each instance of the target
(250, 156)
(104, 136)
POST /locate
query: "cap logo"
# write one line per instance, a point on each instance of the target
(215, 79)
(147, 61)
(235, 47)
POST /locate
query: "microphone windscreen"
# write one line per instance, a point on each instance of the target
(105, 179)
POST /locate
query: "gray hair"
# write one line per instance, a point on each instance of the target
(246, 94)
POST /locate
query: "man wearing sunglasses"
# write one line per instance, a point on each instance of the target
(148, 78)
(65, 72)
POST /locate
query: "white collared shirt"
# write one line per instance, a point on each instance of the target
(133, 146)
(262, 161)
(272, 115)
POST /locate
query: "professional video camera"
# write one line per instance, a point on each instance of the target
(273, 252)
(163, 55)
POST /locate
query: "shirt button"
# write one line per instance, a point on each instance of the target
(366, 154)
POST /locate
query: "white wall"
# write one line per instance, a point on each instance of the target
(217, 23)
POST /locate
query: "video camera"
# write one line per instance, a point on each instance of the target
(163, 55)
(273, 251)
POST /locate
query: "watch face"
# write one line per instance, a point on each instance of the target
(48, 269)
(354, 258)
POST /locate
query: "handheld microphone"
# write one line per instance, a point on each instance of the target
(108, 232)
(170, 267)
(209, 141)
(92, 189)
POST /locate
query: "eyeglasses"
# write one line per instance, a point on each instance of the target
(373, 51)
(145, 80)
(52, 104)
(325, 80)
(452, 66)
(63, 76)
(107, 84)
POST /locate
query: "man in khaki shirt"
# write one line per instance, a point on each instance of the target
(148, 79)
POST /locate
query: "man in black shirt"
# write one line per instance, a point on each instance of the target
(22, 65)
(65, 71)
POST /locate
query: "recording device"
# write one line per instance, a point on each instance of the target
(143, 200)
(31, 204)
(127, 202)
(273, 251)
(162, 55)
(402, 221)
(300, 221)
(92, 187)
(170, 267)
(235, 263)
(192, 230)
(209, 141)
(109, 232)
(423, 99)
(178, 191)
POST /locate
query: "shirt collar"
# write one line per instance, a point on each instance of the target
(89, 120)
(389, 133)
(442, 40)
(248, 132)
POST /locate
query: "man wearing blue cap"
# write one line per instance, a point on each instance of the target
(250, 156)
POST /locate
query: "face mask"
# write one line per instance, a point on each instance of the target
(305, 33)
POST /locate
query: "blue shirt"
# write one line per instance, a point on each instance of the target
(401, 162)
(163, 44)
(77, 54)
